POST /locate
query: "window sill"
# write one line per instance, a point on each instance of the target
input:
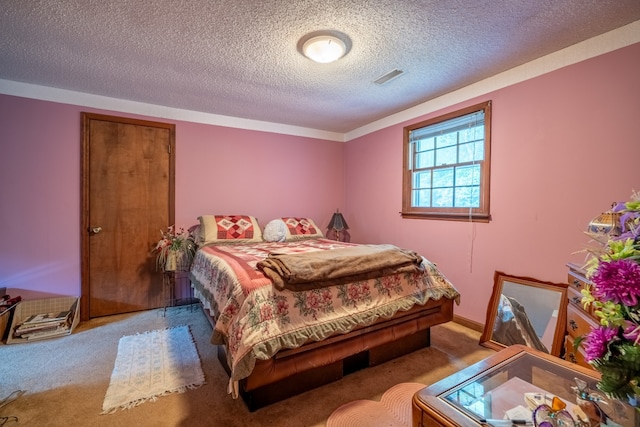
(466, 217)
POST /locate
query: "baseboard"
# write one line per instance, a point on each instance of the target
(471, 324)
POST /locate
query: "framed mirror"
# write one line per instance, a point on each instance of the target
(525, 311)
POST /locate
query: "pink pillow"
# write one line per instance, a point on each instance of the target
(301, 228)
(229, 229)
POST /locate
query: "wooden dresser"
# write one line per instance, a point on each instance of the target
(579, 320)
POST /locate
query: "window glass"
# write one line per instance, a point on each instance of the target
(447, 166)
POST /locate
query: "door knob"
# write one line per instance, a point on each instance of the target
(95, 230)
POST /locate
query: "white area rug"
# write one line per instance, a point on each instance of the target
(153, 364)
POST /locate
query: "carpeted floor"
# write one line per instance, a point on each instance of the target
(65, 379)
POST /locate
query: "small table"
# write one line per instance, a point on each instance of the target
(495, 385)
(174, 284)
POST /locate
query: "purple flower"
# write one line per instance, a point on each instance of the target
(597, 341)
(617, 281)
(630, 223)
(631, 331)
(619, 206)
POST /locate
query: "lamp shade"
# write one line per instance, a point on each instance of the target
(338, 222)
(337, 228)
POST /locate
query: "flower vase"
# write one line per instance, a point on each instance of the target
(177, 260)
(171, 263)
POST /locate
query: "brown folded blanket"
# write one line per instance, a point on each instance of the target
(310, 270)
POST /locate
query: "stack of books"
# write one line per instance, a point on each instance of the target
(6, 302)
(44, 325)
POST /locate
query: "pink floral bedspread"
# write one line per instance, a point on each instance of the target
(255, 320)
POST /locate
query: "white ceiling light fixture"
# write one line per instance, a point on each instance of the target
(324, 46)
(324, 49)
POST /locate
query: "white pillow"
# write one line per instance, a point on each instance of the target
(275, 231)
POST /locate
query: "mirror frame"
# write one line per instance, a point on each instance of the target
(499, 279)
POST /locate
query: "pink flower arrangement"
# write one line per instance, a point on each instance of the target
(177, 243)
(613, 348)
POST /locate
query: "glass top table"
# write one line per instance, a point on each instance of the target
(510, 386)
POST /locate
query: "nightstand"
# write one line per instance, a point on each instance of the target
(176, 288)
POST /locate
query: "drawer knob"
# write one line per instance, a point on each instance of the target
(573, 324)
(572, 358)
(577, 300)
(576, 283)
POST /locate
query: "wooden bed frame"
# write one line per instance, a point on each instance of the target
(294, 371)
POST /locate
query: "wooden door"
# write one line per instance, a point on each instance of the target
(127, 198)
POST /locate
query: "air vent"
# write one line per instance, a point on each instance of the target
(386, 78)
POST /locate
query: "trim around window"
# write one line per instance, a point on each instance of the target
(446, 166)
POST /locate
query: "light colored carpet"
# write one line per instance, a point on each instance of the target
(153, 364)
(66, 378)
(393, 409)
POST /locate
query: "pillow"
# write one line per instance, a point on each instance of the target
(229, 229)
(301, 228)
(275, 231)
(194, 232)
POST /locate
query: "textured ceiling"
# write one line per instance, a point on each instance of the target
(239, 58)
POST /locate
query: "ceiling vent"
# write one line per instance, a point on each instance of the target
(386, 78)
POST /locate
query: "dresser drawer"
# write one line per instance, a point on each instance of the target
(574, 355)
(577, 281)
(575, 299)
(579, 323)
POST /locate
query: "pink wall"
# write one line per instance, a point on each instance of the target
(218, 170)
(564, 147)
(263, 174)
(39, 210)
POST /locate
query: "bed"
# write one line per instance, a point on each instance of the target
(279, 334)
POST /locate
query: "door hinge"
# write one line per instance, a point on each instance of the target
(169, 148)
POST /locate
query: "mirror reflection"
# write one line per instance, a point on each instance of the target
(525, 311)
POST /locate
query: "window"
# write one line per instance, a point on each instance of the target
(447, 165)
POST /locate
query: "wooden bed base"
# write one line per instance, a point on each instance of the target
(291, 372)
